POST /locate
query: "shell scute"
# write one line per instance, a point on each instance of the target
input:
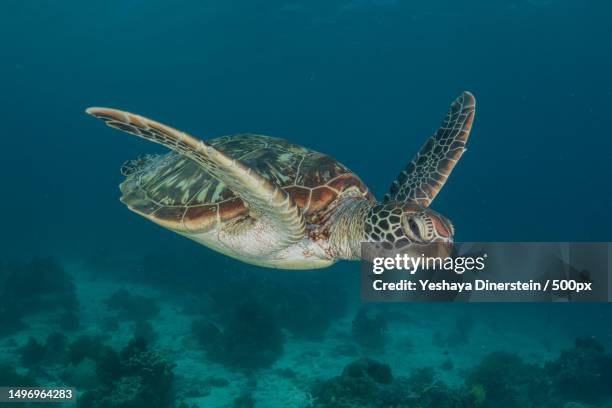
(200, 218)
(300, 195)
(320, 198)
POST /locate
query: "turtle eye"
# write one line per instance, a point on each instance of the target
(411, 227)
(416, 228)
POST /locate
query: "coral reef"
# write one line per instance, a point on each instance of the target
(363, 383)
(583, 373)
(366, 383)
(134, 378)
(107, 361)
(502, 379)
(248, 334)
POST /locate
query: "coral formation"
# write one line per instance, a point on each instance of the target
(366, 383)
(134, 378)
(248, 334)
(363, 383)
(502, 379)
(582, 373)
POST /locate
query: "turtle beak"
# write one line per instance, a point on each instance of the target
(445, 231)
(443, 228)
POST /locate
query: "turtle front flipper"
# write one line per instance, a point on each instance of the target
(425, 175)
(264, 198)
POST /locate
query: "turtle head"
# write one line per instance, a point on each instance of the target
(406, 223)
(404, 219)
(404, 213)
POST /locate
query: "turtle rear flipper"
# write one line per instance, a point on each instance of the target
(425, 175)
(264, 198)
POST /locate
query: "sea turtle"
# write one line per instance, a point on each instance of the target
(269, 202)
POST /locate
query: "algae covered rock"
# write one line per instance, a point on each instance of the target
(137, 377)
(582, 373)
(366, 383)
(503, 379)
(361, 384)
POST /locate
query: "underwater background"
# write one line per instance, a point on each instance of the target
(95, 297)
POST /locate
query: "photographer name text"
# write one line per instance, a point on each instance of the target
(554, 285)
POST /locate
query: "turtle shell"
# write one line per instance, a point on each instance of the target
(176, 193)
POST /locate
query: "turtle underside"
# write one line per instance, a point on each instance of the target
(175, 192)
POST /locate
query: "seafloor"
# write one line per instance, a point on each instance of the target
(148, 332)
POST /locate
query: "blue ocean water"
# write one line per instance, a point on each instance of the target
(365, 81)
